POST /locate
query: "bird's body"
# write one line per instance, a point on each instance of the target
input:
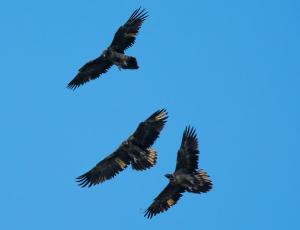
(194, 182)
(121, 60)
(135, 151)
(114, 54)
(186, 177)
(181, 178)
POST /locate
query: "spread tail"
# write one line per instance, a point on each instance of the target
(145, 161)
(131, 63)
(202, 183)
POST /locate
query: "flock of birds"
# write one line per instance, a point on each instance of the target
(137, 150)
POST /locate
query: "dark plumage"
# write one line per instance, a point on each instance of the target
(114, 54)
(186, 178)
(136, 150)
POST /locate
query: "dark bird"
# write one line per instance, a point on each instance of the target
(136, 150)
(114, 54)
(186, 178)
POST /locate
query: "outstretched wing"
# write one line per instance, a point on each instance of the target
(187, 155)
(148, 131)
(125, 36)
(167, 198)
(105, 169)
(90, 71)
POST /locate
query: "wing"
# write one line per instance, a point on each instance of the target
(167, 198)
(90, 71)
(187, 156)
(148, 131)
(105, 169)
(125, 36)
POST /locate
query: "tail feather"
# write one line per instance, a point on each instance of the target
(131, 63)
(202, 183)
(145, 161)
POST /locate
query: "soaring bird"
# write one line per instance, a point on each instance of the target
(186, 178)
(136, 150)
(114, 54)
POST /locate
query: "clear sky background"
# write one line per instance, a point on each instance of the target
(228, 68)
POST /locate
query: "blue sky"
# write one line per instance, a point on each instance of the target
(228, 68)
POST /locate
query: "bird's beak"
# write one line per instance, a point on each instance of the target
(168, 176)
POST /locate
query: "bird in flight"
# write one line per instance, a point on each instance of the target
(136, 150)
(114, 54)
(186, 178)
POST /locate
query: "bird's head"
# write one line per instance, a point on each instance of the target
(169, 176)
(105, 53)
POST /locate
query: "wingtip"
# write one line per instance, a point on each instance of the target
(84, 180)
(148, 214)
(139, 13)
(189, 130)
(190, 133)
(160, 115)
(72, 86)
(81, 181)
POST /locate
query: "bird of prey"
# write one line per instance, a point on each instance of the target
(186, 178)
(136, 150)
(114, 54)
